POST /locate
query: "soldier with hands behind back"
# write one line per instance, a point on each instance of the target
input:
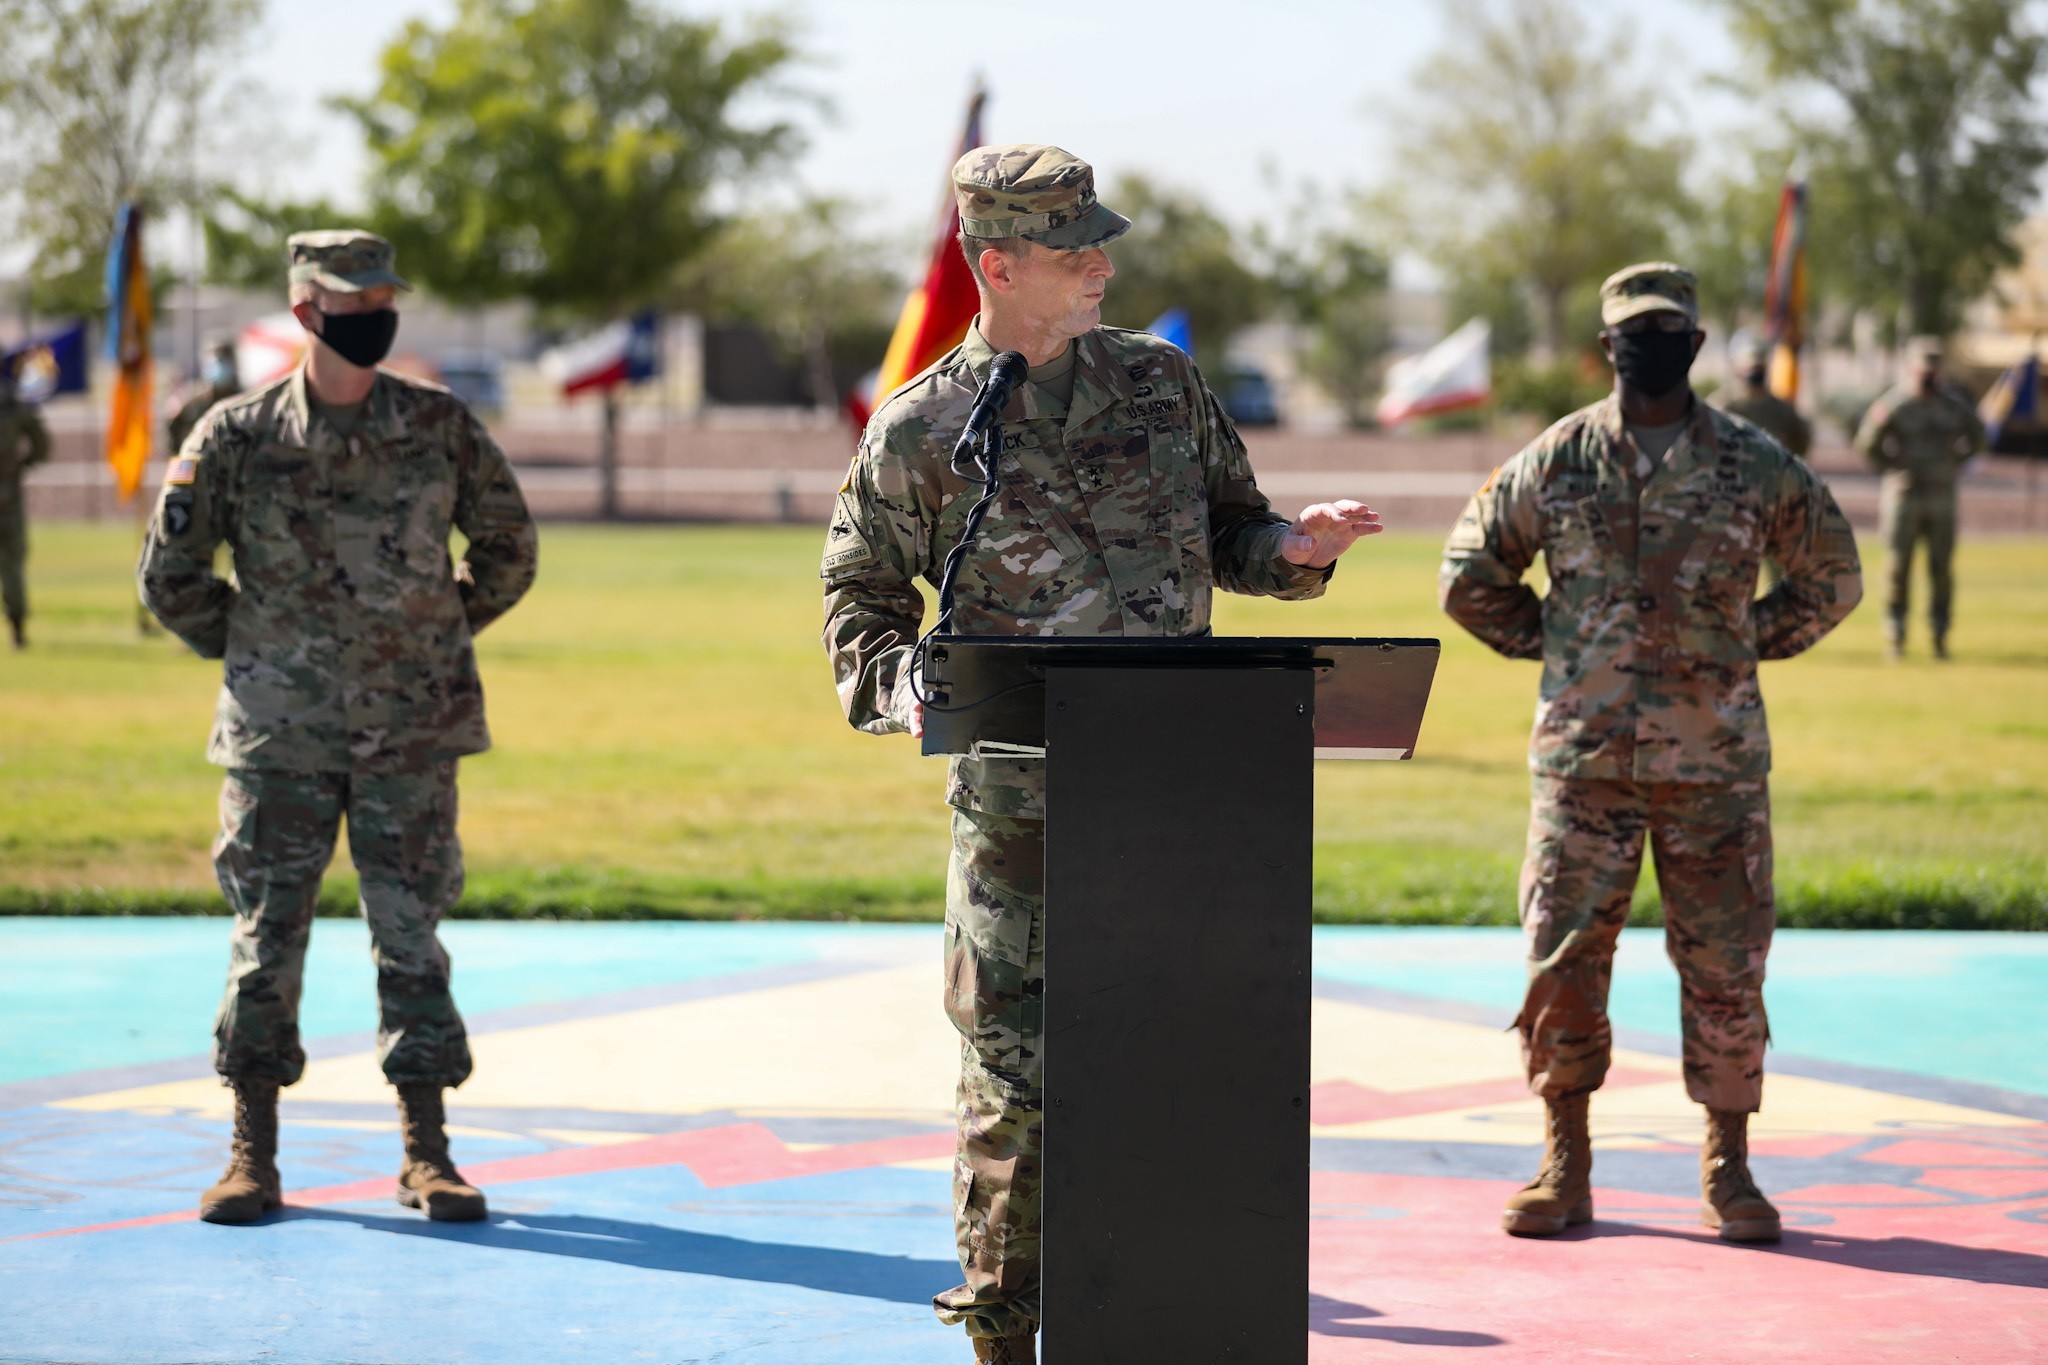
(1126, 500)
(24, 443)
(350, 689)
(1917, 435)
(1652, 512)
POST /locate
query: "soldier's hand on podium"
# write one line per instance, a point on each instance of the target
(1326, 530)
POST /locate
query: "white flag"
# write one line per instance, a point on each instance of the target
(1455, 373)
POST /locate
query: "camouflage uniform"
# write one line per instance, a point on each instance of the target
(1649, 720)
(351, 686)
(1918, 444)
(1778, 419)
(24, 442)
(1117, 518)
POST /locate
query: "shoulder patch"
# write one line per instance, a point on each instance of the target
(184, 469)
(846, 545)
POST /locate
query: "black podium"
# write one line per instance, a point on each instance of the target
(1180, 804)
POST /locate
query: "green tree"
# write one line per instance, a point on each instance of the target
(107, 102)
(245, 237)
(823, 293)
(1727, 241)
(1526, 158)
(1333, 284)
(1929, 150)
(567, 151)
(1179, 254)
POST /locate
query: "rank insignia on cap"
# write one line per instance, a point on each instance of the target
(184, 469)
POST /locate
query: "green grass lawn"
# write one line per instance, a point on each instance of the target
(668, 744)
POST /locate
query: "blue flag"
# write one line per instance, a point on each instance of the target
(1174, 326)
(49, 365)
(2016, 394)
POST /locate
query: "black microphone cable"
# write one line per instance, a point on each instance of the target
(982, 438)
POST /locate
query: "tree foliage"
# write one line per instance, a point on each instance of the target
(1179, 254)
(1927, 146)
(1527, 157)
(245, 237)
(803, 276)
(105, 102)
(1332, 280)
(565, 151)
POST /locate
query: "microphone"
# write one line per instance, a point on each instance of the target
(1005, 373)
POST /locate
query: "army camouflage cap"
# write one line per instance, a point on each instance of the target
(1039, 193)
(346, 260)
(1749, 351)
(1652, 287)
(1923, 351)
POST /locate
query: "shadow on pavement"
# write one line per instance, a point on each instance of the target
(1891, 1255)
(1328, 1317)
(650, 1246)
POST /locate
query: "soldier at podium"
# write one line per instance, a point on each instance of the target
(1652, 512)
(1127, 498)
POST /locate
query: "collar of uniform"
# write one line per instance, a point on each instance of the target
(380, 408)
(1098, 382)
(1697, 436)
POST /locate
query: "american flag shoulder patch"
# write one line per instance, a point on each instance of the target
(184, 469)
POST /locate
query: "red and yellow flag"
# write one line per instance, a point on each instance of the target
(129, 319)
(1785, 291)
(936, 314)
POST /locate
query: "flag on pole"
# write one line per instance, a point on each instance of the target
(937, 311)
(1455, 373)
(1785, 290)
(48, 365)
(2017, 394)
(129, 319)
(625, 352)
(1175, 328)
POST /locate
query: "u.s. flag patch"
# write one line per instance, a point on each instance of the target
(184, 469)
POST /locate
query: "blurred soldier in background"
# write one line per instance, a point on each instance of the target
(1651, 511)
(217, 382)
(351, 689)
(1751, 398)
(1093, 542)
(1917, 436)
(24, 441)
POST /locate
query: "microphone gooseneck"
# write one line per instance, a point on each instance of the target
(981, 443)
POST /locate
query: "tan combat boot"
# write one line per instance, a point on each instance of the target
(429, 1181)
(1561, 1195)
(1729, 1199)
(250, 1187)
(1013, 1350)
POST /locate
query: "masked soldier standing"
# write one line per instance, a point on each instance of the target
(351, 690)
(1917, 436)
(1127, 498)
(1651, 511)
(218, 382)
(1754, 402)
(24, 441)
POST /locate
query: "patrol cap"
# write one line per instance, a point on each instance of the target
(346, 260)
(1923, 351)
(1652, 287)
(1039, 193)
(1749, 352)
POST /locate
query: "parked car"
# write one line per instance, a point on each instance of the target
(1247, 395)
(477, 377)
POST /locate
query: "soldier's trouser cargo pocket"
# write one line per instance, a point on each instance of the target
(995, 987)
(1712, 842)
(278, 831)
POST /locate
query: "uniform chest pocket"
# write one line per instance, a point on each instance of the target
(422, 507)
(282, 512)
(1577, 544)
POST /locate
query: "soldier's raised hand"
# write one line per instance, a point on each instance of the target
(1326, 530)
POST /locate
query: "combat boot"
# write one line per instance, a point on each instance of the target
(250, 1187)
(429, 1181)
(1020, 1349)
(1941, 645)
(1561, 1195)
(18, 628)
(1729, 1199)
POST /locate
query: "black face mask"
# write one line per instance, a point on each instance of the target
(1652, 363)
(362, 339)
